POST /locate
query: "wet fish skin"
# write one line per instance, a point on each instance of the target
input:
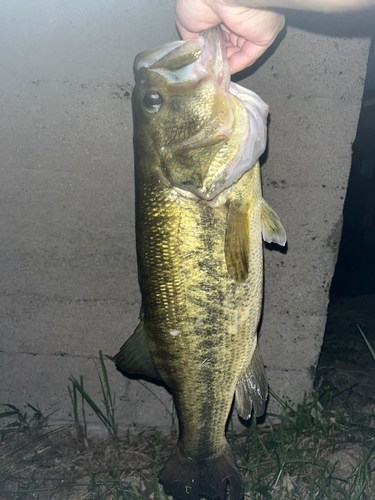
(199, 230)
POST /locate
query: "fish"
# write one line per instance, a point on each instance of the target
(200, 225)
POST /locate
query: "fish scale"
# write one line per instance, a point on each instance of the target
(195, 291)
(200, 254)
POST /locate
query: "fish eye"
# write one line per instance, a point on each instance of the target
(152, 102)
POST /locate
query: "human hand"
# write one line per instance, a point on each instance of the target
(248, 31)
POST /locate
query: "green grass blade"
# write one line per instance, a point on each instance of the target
(105, 377)
(73, 399)
(83, 409)
(367, 343)
(107, 398)
(8, 413)
(12, 407)
(90, 402)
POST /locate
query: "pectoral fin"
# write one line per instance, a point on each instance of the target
(252, 388)
(237, 243)
(134, 356)
(272, 229)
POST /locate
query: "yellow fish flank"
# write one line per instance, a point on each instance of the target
(200, 225)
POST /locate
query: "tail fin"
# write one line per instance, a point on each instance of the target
(188, 479)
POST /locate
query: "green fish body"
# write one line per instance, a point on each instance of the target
(200, 225)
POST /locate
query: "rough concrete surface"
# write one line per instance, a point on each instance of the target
(67, 250)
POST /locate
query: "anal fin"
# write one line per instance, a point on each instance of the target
(272, 229)
(252, 388)
(237, 243)
(134, 356)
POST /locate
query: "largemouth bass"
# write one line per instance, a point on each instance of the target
(200, 221)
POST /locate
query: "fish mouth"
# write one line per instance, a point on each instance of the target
(189, 61)
(216, 54)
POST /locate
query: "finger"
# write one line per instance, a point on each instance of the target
(241, 59)
(194, 16)
(184, 33)
(256, 25)
(249, 32)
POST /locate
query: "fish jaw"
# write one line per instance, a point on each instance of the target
(176, 62)
(215, 57)
(189, 61)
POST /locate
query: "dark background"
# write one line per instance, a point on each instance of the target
(346, 367)
(355, 269)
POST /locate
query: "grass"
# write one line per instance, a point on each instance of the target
(302, 456)
(107, 417)
(316, 451)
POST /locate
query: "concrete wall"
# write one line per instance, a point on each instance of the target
(67, 254)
